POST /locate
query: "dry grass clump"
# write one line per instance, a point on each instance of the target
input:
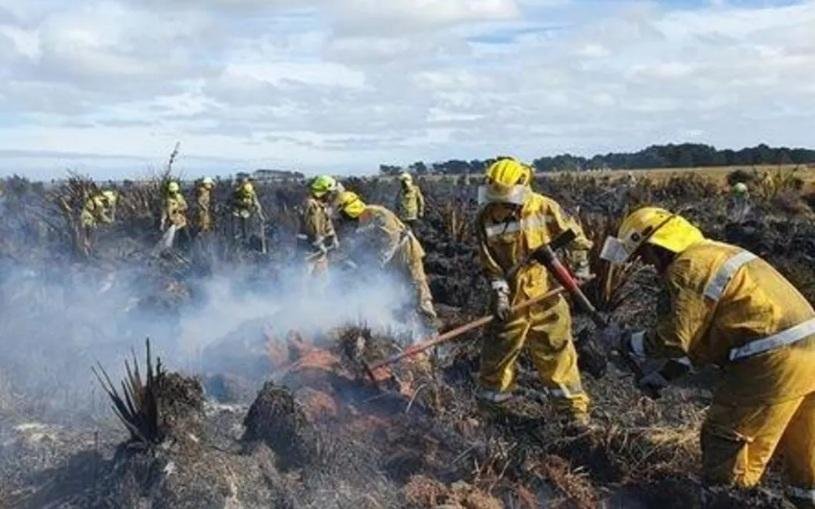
(610, 288)
(422, 491)
(137, 404)
(656, 450)
(573, 484)
(69, 199)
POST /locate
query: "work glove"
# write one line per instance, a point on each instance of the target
(500, 300)
(583, 272)
(580, 265)
(335, 243)
(611, 336)
(320, 248)
(652, 384)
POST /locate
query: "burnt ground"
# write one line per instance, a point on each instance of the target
(289, 419)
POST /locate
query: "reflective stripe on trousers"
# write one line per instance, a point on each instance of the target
(564, 391)
(536, 221)
(781, 339)
(716, 287)
(494, 396)
(801, 493)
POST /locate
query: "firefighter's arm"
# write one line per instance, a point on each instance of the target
(311, 222)
(420, 200)
(388, 240)
(683, 318)
(258, 207)
(107, 214)
(577, 253)
(166, 212)
(492, 270)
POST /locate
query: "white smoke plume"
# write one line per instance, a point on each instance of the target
(57, 321)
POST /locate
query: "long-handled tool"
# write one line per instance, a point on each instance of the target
(547, 257)
(452, 334)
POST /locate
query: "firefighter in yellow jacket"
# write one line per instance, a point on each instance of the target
(245, 207)
(98, 209)
(512, 223)
(317, 230)
(204, 219)
(410, 202)
(393, 243)
(732, 309)
(173, 215)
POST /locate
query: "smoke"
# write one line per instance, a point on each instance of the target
(58, 321)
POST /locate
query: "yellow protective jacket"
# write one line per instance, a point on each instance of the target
(96, 210)
(316, 224)
(411, 202)
(245, 203)
(203, 201)
(723, 302)
(175, 210)
(504, 241)
(388, 237)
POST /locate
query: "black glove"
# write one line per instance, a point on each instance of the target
(651, 384)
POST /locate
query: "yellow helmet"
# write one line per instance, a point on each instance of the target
(247, 187)
(654, 226)
(350, 204)
(173, 187)
(507, 180)
(405, 177)
(208, 182)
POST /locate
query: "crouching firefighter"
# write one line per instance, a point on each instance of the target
(513, 222)
(317, 233)
(394, 245)
(727, 307)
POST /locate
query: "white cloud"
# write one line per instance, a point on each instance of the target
(353, 83)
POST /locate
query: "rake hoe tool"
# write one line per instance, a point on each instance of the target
(450, 335)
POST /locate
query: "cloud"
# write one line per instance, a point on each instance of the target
(348, 84)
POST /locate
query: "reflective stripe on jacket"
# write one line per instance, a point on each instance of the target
(731, 308)
(506, 239)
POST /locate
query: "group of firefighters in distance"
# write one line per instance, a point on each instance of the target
(721, 306)
(100, 209)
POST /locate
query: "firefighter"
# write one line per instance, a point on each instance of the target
(392, 244)
(410, 201)
(317, 230)
(245, 207)
(99, 208)
(204, 211)
(173, 216)
(727, 307)
(513, 222)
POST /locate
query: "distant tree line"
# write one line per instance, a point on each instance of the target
(656, 156)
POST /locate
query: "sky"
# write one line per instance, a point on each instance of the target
(106, 88)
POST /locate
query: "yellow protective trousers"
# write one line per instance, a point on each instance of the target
(739, 441)
(547, 333)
